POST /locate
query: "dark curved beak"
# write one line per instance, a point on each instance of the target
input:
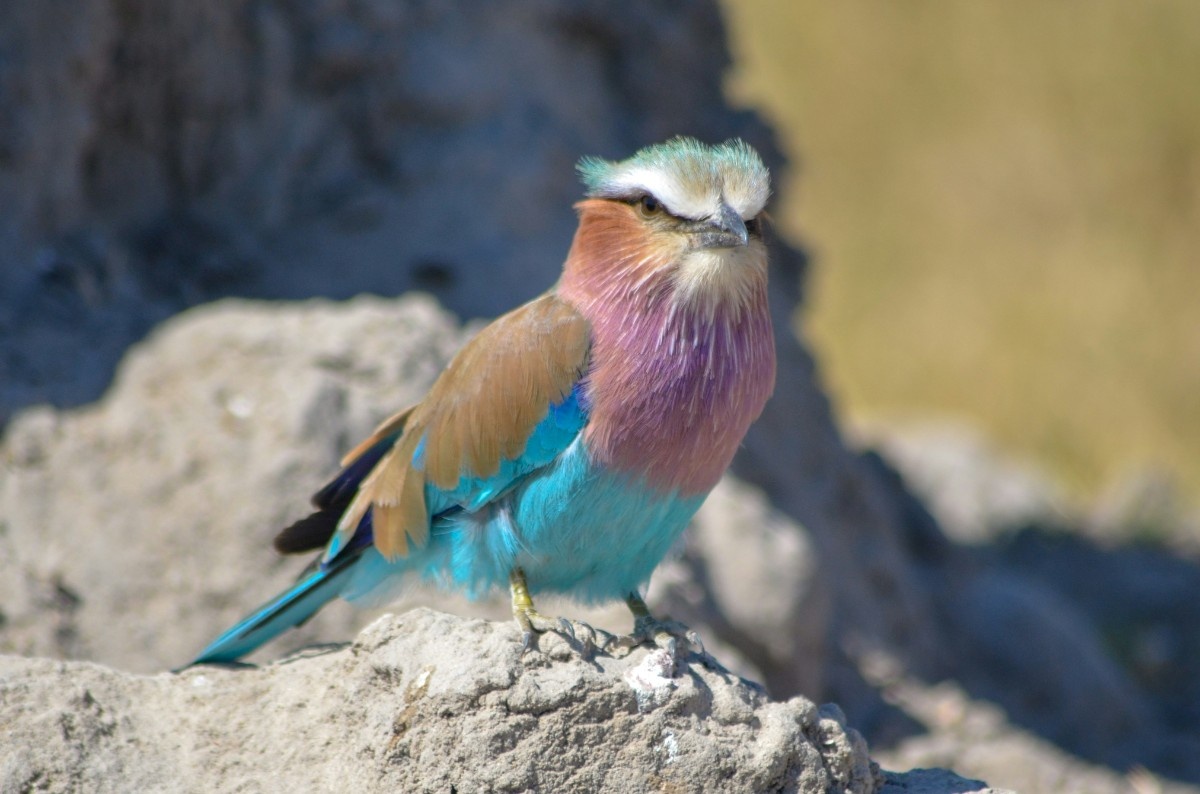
(726, 229)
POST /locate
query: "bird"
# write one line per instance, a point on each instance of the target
(566, 447)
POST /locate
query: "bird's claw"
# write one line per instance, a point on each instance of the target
(533, 623)
(588, 639)
(665, 634)
(575, 632)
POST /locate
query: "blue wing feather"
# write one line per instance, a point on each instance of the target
(550, 437)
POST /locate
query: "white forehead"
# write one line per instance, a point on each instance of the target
(688, 177)
(690, 198)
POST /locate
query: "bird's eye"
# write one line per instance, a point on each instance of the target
(649, 205)
(753, 225)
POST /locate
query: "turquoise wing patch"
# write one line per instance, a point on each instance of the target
(549, 438)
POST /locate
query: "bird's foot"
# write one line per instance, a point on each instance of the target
(533, 622)
(667, 634)
(585, 637)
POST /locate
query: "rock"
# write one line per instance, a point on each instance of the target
(981, 741)
(1099, 621)
(133, 531)
(420, 702)
(1057, 645)
(746, 571)
(929, 781)
(975, 492)
(1145, 505)
(1144, 602)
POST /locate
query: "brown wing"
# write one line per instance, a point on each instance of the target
(481, 410)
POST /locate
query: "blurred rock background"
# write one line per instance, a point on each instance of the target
(1001, 199)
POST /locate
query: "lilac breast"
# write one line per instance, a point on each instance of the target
(672, 391)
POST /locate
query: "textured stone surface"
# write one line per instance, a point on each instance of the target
(422, 702)
(135, 529)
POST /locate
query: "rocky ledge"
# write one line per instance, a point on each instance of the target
(429, 702)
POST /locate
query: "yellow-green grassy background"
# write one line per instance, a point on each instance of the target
(1003, 200)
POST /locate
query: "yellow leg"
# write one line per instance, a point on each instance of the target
(522, 604)
(522, 607)
(528, 618)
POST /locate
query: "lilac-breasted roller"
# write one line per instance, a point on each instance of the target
(566, 447)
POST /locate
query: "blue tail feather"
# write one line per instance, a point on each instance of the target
(288, 609)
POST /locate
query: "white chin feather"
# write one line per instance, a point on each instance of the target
(708, 278)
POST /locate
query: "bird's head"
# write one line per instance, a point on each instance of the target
(680, 217)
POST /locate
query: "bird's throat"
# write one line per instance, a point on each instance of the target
(716, 281)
